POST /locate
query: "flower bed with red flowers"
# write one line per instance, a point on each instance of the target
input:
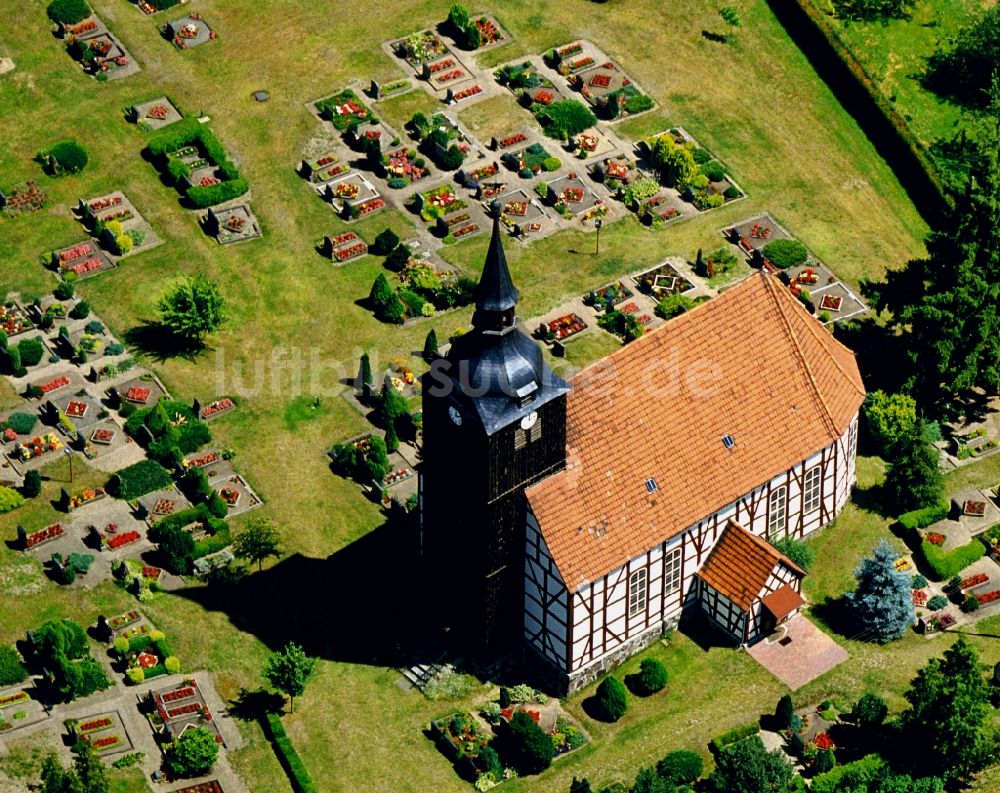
(178, 694)
(96, 724)
(343, 254)
(512, 140)
(468, 92)
(974, 580)
(216, 407)
(369, 206)
(581, 63)
(488, 32)
(230, 495)
(988, 597)
(103, 436)
(75, 252)
(106, 743)
(148, 571)
(164, 506)
(82, 27)
(204, 459)
(919, 597)
(87, 267)
(544, 97)
(14, 699)
(77, 410)
(184, 710)
(464, 230)
(824, 741)
(108, 201)
(566, 325)
(669, 214)
(831, 302)
(571, 49)
(440, 66)
(44, 535)
(454, 74)
(934, 538)
(572, 195)
(124, 538)
(516, 207)
(137, 393)
(86, 496)
(124, 619)
(600, 80)
(629, 308)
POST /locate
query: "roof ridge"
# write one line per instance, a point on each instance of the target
(817, 392)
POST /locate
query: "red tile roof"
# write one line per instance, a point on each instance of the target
(750, 363)
(740, 564)
(783, 602)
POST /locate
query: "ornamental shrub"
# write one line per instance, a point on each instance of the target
(193, 754)
(21, 423)
(290, 760)
(937, 602)
(138, 479)
(796, 550)
(32, 485)
(80, 311)
(12, 669)
(63, 291)
(783, 712)
(551, 164)
(68, 156)
(785, 253)
(945, 564)
(172, 664)
(68, 12)
(397, 258)
(385, 242)
(531, 746)
(870, 710)
(918, 582)
(652, 676)
(673, 305)
(121, 645)
(394, 311)
(32, 351)
(889, 417)
(921, 518)
(203, 197)
(612, 699)
(565, 118)
(681, 767)
(714, 171)
(9, 500)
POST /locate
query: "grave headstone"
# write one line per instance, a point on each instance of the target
(449, 98)
(141, 512)
(261, 96)
(114, 398)
(64, 500)
(425, 71)
(143, 436)
(103, 629)
(196, 407)
(559, 349)
(375, 90)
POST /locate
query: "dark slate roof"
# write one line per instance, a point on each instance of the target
(496, 291)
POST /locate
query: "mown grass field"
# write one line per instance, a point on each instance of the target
(757, 105)
(894, 53)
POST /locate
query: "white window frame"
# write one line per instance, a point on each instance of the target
(812, 484)
(852, 440)
(672, 571)
(638, 591)
(777, 513)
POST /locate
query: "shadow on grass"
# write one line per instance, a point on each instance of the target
(161, 343)
(872, 499)
(696, 626)
(255, 705)
(835, 614)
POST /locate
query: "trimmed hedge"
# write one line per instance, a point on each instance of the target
(734, 735)
(203, 197)
(946, 564)
(69, 155)
(138, 479)
(288, 757)
(785, 253)
(189, 132)
(69, 12)
(921, 518)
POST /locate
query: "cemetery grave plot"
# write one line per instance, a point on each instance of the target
(14, 320)
(445, 73)
(31, 453)
(150, 7)
(453, 97)
(105, 731)
(614, 172)
(147, 652)
(472, 178)
(128, 624)
(662, 280)
(343, 248)
(401, 165)
(204, 565)
(533, 158)
(754, 233)
(358, 136)
(114, 535)
(98, 213)
(212, 786)
(161, 503)
(173, 709)
(81, 409)
(490, 32)
(50, 313)
(188, 31)
(103, 438)
(616, 292)
(351, 190)
(574, 57)
(100, 53)
(419, 48)
(18, 425)
(216, 408)
(236, 492)
(561, 328)
(18, 709)
(437, 202)
(832, 297)
(324, 168)
(155, 113)
(572, 196)
(344, 110)
(465, 222)
(378, 91)
(21, 199)
(85, 497)
(513, 140)
(84, 344)
(519, 209)
(720, 188)
(663, 208)
(523, 77)
(142, 391)
(30, 540)
(83, 260)
(231, 224)
(51, 385)
(610, 91)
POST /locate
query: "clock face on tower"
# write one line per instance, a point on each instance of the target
(455, 416)
(529, 421)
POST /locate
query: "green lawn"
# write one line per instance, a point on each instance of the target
(894, 53)
(356, 730)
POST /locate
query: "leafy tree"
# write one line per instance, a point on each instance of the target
(648, 781)
(612, 699)
(193, 754)
(652, 676)
(531, 746)
(948, 722)
(258, 541)
(289, 671)
(68, 157)
(12, 670)
(377, 461)
(87, 775)
(193, 309)
(965, 67)
(566, 118)
(889, 417)
(675, 161)
(681, 767)
(430, 346)
(747, 767)
(946, 305)
(580, 785)
(60, 637)
(870, 711)
(177, 549)
(870, 10)
(882, 604)
(391, 438)
(913, 479)
(796, 550)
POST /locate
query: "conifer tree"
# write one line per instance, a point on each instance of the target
(882, 604)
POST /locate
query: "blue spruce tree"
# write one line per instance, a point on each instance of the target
(882, 604)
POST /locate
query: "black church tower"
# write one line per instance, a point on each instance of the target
(494, 422)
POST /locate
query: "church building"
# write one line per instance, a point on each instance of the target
(578, 520)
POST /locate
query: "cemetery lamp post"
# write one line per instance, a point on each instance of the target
(597, 224)
(69, 454)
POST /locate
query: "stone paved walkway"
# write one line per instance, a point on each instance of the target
(807, 655)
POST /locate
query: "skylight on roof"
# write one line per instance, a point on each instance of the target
(651, 485)
(728, 441)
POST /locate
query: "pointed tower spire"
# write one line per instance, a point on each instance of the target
(496, 293)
